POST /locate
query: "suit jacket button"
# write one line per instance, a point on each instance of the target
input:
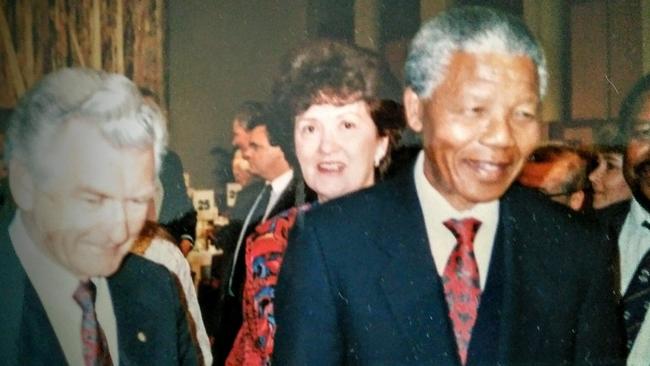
(142, 337)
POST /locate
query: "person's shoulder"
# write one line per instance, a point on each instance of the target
(554, 231)
(367, 201)
(525, 204)
(137, 270)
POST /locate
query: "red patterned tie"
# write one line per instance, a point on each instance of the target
(95, 347)
(461, 282)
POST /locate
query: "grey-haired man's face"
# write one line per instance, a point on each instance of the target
(87, 212)
(636, 167)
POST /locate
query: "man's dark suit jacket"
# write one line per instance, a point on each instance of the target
(359, 286)
(145, 299)
(613, 217)
(177, 213)
(227, 317)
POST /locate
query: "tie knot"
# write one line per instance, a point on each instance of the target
(85, 295)
(464, 229)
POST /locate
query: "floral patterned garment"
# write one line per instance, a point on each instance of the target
(264, 253)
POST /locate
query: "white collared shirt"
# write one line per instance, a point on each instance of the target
(633, 242)
(55, 287)
(437, 210)
(278, 186)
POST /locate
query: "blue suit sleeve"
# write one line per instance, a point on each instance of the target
(309, 330)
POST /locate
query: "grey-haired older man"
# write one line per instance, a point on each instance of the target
(83, 152)
(447, 264)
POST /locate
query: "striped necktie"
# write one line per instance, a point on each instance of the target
(637, 298)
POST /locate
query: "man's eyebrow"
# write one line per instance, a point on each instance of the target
(90, 190)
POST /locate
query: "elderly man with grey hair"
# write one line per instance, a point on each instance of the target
(448, 264)
(83, 152)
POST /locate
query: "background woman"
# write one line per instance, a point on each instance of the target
(333, 109)
(607, 179)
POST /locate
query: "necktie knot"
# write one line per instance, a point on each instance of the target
(85, 295)
(464, 229)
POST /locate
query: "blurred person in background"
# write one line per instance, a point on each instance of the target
(607, 179)
(241, 169)
(174, 208)
(559, 172)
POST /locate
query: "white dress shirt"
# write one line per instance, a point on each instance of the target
(437, 210)
(55, 287)
(278, 185)
(633, 244)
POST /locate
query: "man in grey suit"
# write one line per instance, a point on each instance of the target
(447, 264)
(83, 153)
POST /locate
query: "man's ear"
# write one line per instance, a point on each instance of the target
(413, 110)
(576, 200)
(21, 183)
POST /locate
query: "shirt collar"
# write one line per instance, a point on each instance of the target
(280, 183)
(486, 212)
(47, 275)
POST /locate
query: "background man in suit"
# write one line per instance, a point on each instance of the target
(629, 221)
(278, 193)
(173, 206)
(83, 152)
(395, 274)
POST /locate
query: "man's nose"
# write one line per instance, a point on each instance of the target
(498, 131)
(119, 229)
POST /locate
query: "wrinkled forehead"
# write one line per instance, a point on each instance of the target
(81, 148)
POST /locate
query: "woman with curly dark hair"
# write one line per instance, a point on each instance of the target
(333, 115)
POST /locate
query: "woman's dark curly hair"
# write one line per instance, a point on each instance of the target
(332, 72)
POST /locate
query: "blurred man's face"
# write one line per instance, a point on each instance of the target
(636, 166)
(551, 178)
(264, 159)
(87, 212)
(608, 182)
(478, 126)
(240, 136)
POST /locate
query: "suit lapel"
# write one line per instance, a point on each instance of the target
(26, 335)
(508, 241)
(526, 263)
(410, 281)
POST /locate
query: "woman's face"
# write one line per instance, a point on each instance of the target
(338, 148)
(608, 182)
